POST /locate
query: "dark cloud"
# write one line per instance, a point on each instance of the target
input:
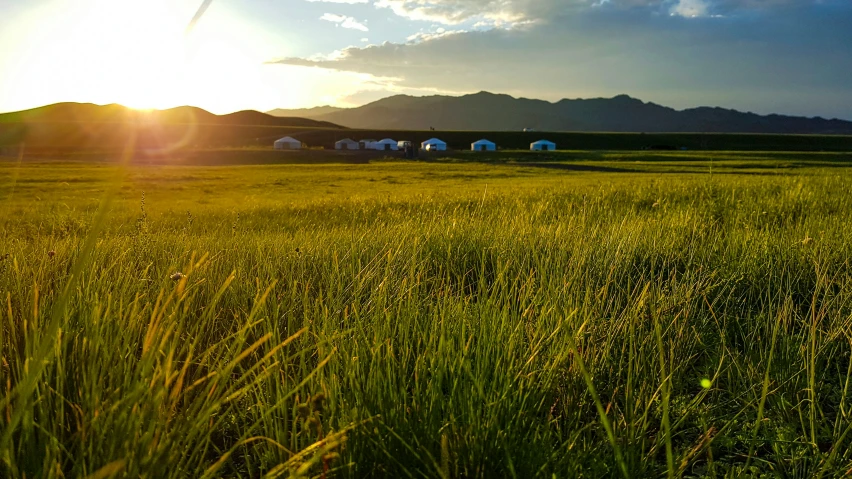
(787, 60)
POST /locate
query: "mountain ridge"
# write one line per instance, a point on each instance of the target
(84, 127)
(486, 111)
(115, 113)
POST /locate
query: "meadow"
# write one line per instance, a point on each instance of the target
(592, 315)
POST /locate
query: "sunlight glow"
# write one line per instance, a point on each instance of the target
(101, 50)
(139, 54)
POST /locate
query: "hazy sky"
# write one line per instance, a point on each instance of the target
(767, 56)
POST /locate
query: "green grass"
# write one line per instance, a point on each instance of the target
(591, 316)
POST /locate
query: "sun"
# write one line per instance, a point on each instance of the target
(139, 54)
(154, 62)
(148, 58)
(103, 51)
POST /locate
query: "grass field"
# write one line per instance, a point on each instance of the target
(599, 315)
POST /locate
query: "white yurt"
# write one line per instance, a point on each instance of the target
(386, 145)
(543, 145)
(367, 144)
(346, 144)
(288, 143)
(433, 144)
(483, 145)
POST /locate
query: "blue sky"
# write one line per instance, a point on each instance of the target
(767, 56)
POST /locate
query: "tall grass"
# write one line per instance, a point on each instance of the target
(674, 327)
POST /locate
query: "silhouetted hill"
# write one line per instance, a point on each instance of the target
(65, 127)
(492, 112)
(89, 113)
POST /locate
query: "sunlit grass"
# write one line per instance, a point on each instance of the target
(427, 320)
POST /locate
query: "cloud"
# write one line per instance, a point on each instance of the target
(427, 36)
(350, 2)
(690, 8)
(786, 60)
(509, 13)
(496, 12)
(344, 21)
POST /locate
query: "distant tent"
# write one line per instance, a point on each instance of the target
(386, 145)
(346, 144)
(483, 145)
(288, 143)
(433, 144)
(367, 144)
(543, 145)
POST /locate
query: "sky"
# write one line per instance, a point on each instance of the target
(766, 56)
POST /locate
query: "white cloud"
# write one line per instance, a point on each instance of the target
(350, 2)
(331, 17)
(365, 40)
(690, 8)
(453, 12)
(427, 36)
(344, 21)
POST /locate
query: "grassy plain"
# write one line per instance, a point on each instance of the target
(627, 315)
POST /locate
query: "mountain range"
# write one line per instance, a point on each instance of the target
(74, 127)
(486, 111)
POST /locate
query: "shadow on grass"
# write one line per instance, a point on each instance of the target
(575, 167)
(649, 169)
(763, 164)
